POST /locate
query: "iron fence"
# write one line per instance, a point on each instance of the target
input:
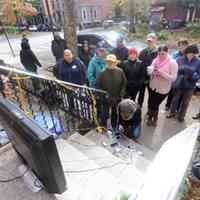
(56, 105)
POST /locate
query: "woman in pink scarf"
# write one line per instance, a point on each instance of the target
(162, 72)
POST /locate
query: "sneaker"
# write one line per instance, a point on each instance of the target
(170, 115)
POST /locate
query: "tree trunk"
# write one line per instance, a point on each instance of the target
(194, 14)
(70, 26)
(132, 16)
(188, 15)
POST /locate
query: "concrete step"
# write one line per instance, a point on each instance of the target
(84, 153)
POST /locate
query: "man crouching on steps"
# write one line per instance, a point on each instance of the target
(130, 118)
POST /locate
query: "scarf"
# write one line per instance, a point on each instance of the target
(159, 64)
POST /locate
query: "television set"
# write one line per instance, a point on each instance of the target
(34, 145)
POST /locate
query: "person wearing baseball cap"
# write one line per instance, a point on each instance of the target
(113, 81)
(135, 73)
(147, 56)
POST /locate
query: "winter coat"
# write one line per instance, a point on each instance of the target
(121, 53)
(176, 55)
(73, 72)
(188, 73)
(134, 121)
(28, 58)
(57, 47)
(147, 56)
(135, 73)
(95, 67)
(85, 57)
(162, 83)
(113, 81)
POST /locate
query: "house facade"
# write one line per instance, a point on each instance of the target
(88, 11)
(170, 11)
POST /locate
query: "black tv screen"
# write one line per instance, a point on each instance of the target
(34, 145)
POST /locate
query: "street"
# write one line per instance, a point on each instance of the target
(40, 44)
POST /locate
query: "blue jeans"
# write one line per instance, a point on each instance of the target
(136, 130)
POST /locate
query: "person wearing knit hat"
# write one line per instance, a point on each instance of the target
(130, 118)
(135, 73)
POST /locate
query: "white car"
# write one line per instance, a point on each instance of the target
(108, 23)
(33, 28)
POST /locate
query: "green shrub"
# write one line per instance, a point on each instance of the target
(163, 35)
(11, 29)
(142, 28)
(193, 28)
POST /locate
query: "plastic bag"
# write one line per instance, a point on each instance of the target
(51, 123)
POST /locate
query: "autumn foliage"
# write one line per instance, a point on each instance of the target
(10, 9)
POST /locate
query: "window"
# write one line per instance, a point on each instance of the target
(84, 14)
(95, 13)
(91, 13)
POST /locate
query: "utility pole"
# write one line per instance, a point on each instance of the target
(70, 26)
(6, 35)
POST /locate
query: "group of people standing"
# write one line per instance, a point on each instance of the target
(125, 74)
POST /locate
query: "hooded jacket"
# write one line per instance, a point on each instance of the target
(28, 58)
(96, 66)
(57, 47)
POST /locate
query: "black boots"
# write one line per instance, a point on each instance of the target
(152, 118)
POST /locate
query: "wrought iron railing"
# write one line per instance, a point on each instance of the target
(47, 99)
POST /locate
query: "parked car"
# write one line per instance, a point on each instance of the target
(33, 28)
(42, 28)
(22, 28)
(176, 23)
(108, 23)
(106, 39)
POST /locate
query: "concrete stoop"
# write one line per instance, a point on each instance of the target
(84, 156)
(92, 171)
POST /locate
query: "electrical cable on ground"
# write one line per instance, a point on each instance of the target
(14, 178)
(98, 168)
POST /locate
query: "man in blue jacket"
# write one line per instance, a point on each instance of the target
(188, 75)
(70, 69)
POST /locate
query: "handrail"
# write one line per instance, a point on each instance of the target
(25, 73)
(71, 104)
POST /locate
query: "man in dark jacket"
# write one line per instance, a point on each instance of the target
(57, 47)
(121, 51)
(85, 53)
(71, 69)
(135, 73)
(25, 39)
(147, 56)
(30, 62)
(113, 81)
(130, 118)
(28, 58)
